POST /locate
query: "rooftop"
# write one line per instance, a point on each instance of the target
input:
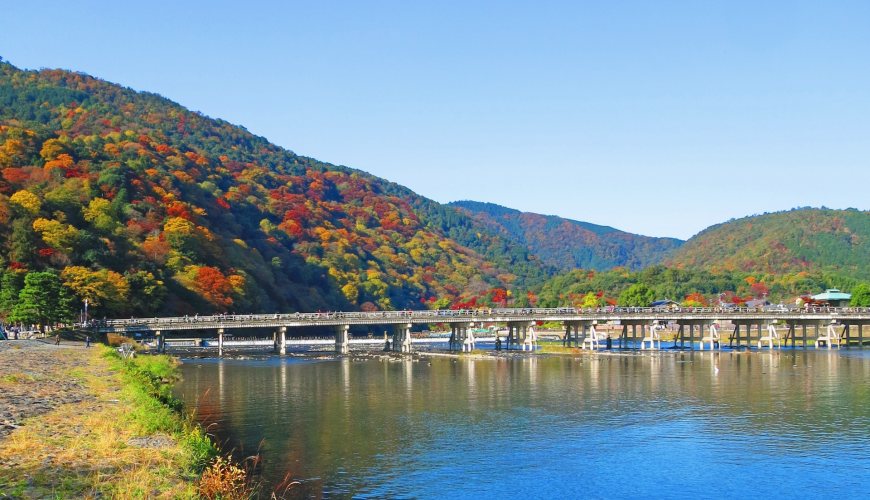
(832, 294)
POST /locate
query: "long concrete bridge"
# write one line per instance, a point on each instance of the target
(831, 326)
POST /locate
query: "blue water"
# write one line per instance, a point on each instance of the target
(672, 424)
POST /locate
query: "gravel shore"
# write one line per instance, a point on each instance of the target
(34, 379)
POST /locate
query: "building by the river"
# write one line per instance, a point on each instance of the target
(834, 297)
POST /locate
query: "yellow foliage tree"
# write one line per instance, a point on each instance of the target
(351, 292)
(26, 200)
(56, 234)
(101, 287)
(97, 213)
(51, 149)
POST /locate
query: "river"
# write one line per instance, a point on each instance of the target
(662, 424)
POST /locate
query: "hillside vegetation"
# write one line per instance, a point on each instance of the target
(805, 239)
(142, 206)
(567, 244)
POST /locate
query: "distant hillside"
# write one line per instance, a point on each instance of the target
(568, 244)
(796, 240)
(142, 206)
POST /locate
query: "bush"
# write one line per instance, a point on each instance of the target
(224, 480)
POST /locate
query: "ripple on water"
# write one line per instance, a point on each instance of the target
(723, 424)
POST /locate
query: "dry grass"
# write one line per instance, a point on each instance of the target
(225, 480)
(115, 340)
(84, 449)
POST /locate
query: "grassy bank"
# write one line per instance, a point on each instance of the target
(125, 437)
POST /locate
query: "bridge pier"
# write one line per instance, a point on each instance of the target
(848, 324)
(282, 342)
(572, 333)
(712, 337)
(589, 335)
(161, 342)
(652, 337)
(461, 338)
(402, 337)
(770, 337)
(747, 324)
(829, 338)
(220, 341)
(518, 333)
(342, 340)
(803, 323)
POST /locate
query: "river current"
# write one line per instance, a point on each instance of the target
(612, 425)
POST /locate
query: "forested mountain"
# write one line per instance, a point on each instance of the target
(805, 239)
(778, 257)
(142, 206)
(567, 244)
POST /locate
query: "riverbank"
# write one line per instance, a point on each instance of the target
(78, 422)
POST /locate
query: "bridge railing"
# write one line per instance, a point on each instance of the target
(436, 315)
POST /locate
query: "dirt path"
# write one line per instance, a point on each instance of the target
(71, 427)
(34, 379)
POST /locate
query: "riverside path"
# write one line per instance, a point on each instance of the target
(831, 327)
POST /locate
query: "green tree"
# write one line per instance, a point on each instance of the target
(43, 300)
(860, 295)
(11, 282)
(637, 295)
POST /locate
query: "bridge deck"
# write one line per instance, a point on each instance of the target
(601, 315)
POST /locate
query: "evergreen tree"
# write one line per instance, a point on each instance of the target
(11, 282)
(42, 301)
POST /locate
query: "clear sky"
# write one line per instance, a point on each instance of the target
(657, 117)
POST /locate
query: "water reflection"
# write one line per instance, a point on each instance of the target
(436, 426)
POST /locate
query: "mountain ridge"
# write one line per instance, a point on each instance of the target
(567, 244)
(799, 239)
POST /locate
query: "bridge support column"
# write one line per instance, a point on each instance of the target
(745, 324)
(692, 336)
(402, 338)
(282, 342)
(860, 335)
(461, 338)
(769, 338)
(652, 337)
(572, 334)
(161, 342)
(220, 341)
(511, 337)
(712, 336)
(520, 333)
(468, 341)
(342, 339)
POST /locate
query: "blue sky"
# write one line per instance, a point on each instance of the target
(657, 117)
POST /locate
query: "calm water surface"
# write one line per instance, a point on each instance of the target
(683, 425)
